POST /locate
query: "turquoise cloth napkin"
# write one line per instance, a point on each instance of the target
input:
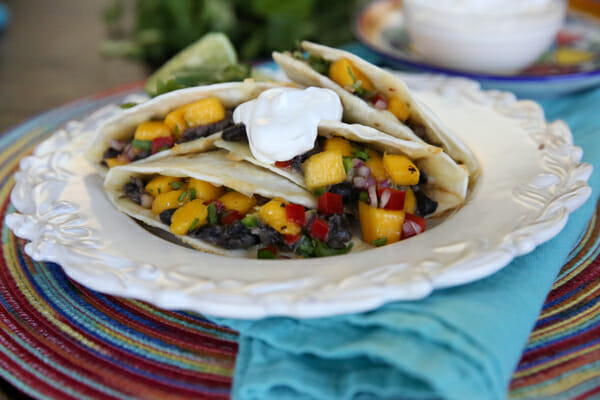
(460, 343)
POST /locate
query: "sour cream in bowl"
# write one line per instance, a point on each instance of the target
(485, 36)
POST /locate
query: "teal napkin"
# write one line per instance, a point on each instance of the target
(459, 343)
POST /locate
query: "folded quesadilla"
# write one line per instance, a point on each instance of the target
(228, 207)
(374, 97)
(180, 122)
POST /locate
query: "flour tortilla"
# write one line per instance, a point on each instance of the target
(356, 110)
(447, 182)
(214, 167)
(122, 127)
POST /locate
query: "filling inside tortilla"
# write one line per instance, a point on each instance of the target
(190, 122)
(385, 191)
(228, 219)
(353, 80)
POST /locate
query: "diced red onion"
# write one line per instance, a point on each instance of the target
(360, 182)
(385, 198)
(416, 227)
(380, 104)
(363, 170)
(371, 181)
(310, 216)
(123, 158)
(146, 200)
(372, 196)
(357, 162)
(384, 183)
(116, 144)
(130, 152)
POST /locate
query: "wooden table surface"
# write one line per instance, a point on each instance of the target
(49, 55)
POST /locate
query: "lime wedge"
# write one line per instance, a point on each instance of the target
(211, 50)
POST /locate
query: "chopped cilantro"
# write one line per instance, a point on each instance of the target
(194, 224)
(142, 144)
(362, 154)
(176, 130)
(356, 84)
(364, 197)
(266, 254)
(130, 104)
(176, 185)
(192, 194)
(319, 191)
(250, 221)
(182, 196)
(379, 242)
(213, 216)
(322, 250)
(348, 164)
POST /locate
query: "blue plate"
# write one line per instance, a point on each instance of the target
(572, 64)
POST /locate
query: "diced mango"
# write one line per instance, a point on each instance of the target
(344, 73)
(166, 201)
(274, 214)
(189, 216)
(378, 223)
(151, 130)
(410, 201)
(176, 122)
(114, 162)
(339, 144)
(399, 109)
(324, 169)
(375, 163)
(204, 190)
(401, 170)
(163, 184)
(204, 112)
(237, 201)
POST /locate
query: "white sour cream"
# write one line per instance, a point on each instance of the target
(282, 123)
(485, 6)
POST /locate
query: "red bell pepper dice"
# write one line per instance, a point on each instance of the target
(231, 217)
(283, 164)
(291, 239)
(397, 198)
(413, 225)
(320, 229)
(160, 143)
(295, 213)
(331, 203)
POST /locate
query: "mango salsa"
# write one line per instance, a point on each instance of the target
(190, 216)
(378, 223)
(323, 169)
(151, 130)
(339, 144)
(237, 201)
(166, 201)
(204, 112)
(399, 109)
(375, 163)
(163, 184)
(204, 190)
(345, 74)
(401, 170)
(274, 214)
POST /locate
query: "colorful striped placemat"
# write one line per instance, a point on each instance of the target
(60, 340)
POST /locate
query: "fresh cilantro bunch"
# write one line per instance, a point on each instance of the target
(161, 28)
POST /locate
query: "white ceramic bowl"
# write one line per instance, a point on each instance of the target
(492, 42)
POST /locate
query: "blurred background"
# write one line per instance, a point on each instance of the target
(52, 52)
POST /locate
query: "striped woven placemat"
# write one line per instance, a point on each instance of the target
(59, 340)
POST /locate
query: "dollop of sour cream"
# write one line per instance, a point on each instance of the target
(282, 123)
(485, 6)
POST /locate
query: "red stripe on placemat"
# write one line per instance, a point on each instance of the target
(588, 395)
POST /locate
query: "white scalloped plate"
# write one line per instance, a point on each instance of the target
(532, 179)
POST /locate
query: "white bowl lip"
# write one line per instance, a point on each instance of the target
(555, 7)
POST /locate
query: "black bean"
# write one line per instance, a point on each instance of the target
(422, 178)
(347, 190)
(298, 160)
(418, 129)
(339, 232)
(134, 190)
(268, 236)
(140, 155)
(165, 216)
(199, 131)
(232, 236)
(110, 153)
(425, 205)
(235, 133)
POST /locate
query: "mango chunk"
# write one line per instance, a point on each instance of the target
(237, 201)
(151, 130)
(189, 216)
(375, 163)
(378, 223)
(399, 109)
(339, 144)
(410, 201)
(401, 170)
(204, 112)
(114, 162)
(274, 214)
(344, 73)
(166, 201)
(163, 184)
(175, 121)
(204, 190)
(324, 169)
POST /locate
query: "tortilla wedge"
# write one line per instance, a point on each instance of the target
(447, 183)
(123, 126)
(214, 167)
(357, 110)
